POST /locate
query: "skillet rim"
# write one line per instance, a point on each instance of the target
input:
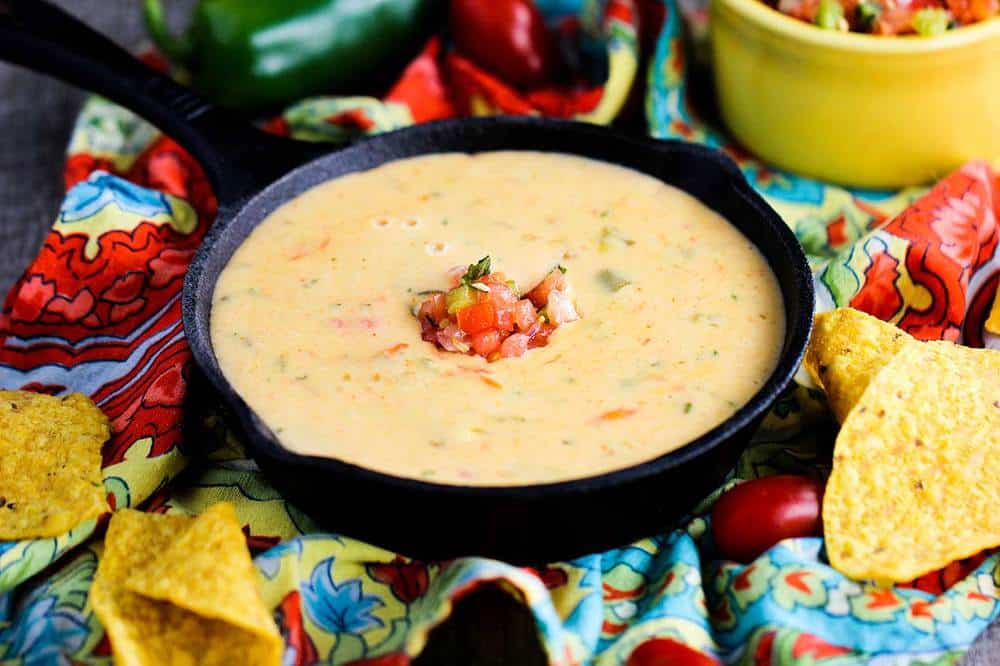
(261, 442)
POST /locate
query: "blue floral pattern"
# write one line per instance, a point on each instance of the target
(44, 632)
(102, 189)
(339, 608)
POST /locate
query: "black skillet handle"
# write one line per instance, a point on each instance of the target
(237, 158)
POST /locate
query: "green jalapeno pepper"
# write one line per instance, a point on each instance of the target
(264, 53)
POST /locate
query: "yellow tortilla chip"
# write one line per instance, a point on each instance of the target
(993, 322)
(847, 349)
(208, 571)
(177, 590)
(914, 482)
(50, 463)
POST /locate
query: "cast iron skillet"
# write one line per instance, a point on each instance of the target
(254, 173)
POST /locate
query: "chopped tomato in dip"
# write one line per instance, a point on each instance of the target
(484, 314)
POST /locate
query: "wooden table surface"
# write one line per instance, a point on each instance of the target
(36, 115)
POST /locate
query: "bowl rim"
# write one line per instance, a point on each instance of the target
(262, 443)
(775, 22)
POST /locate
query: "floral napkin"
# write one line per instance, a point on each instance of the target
(98, 311)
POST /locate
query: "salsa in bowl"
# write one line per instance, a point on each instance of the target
(856, 109)
(926, 18)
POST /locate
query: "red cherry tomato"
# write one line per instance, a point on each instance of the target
(507, 37)
(753, 516)
(668, 652)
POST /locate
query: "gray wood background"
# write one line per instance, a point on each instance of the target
(36, 115)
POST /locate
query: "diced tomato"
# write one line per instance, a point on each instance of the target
(540, 294)
(970, 11)
(435, 308)
(505, 318)
(395, 349)
(486, 343)
(895, 20)
(514, 346)
(503, 299)
(540, 335)
(477, 317)
(500, 292)
(524, 314)
(804, 10)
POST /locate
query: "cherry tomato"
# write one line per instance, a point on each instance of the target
(486, 343)
(753, 516)
(507, 37)
(668, 652)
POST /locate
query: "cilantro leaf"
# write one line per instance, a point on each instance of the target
(478, 270)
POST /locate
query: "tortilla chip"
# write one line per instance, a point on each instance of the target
(50, 463)
(993, 322)
(846, 350)
(914, 482)
(182, 590)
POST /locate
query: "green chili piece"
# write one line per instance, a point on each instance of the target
(613, 280)
(460, 297)
(478, 270)
(931, 21)
(866, 14)
(830, 15)
(613, 237)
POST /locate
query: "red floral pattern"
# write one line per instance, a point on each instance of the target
(407, 579)
(879, 294)
(299, 648)
(668, 652)
(953, 233)
(121, 304)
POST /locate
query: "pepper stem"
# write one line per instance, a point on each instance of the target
(178, 48)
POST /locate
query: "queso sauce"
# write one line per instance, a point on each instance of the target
(312, 319)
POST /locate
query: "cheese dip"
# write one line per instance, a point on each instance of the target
(680, 319)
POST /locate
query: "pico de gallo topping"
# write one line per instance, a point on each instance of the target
(889, 17)
(485, 314)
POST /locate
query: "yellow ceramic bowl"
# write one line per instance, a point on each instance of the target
(851, 108)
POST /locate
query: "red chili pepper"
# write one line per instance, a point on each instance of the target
(753, 516)
(507, 37)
